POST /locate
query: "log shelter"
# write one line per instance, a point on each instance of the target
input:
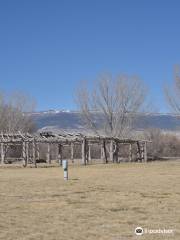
(109, 146)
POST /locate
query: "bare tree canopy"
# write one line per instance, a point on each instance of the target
(172, 94)
(114, 101)
(13, 113)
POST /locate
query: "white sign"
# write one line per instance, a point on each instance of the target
(65, 168)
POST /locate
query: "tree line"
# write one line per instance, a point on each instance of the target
(14, 109)
(116, 101)
(119, 101)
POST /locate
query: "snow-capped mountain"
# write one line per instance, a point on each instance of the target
(66, 119)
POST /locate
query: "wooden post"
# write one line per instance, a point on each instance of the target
(145, 151)
(111, 151)
(116, 152)
(60, 154)
(2, 153)
(102, 151)
(72, 151)
(130, 152)
(37, 151)
(84, 151)
(105, 151)
(48, 158)
(34, 152)
(89, 153)
(142, 152)
(27, 153)
(139, 152)
(24, 155)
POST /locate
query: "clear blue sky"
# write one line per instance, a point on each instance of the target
(48, 46)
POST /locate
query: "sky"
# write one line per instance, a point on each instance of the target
(47, 47)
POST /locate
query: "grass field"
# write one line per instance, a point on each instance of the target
(98, 202)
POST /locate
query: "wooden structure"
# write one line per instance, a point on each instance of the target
(109, 146)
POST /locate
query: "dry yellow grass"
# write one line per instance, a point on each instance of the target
(98, 202)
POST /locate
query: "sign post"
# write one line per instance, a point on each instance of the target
(65, 168)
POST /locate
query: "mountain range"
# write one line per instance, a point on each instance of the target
(66, 119)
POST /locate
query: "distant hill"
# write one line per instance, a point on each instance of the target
(65, 119)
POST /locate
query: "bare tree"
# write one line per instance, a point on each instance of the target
(112, 105)
(14, 113)
(172, 94)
